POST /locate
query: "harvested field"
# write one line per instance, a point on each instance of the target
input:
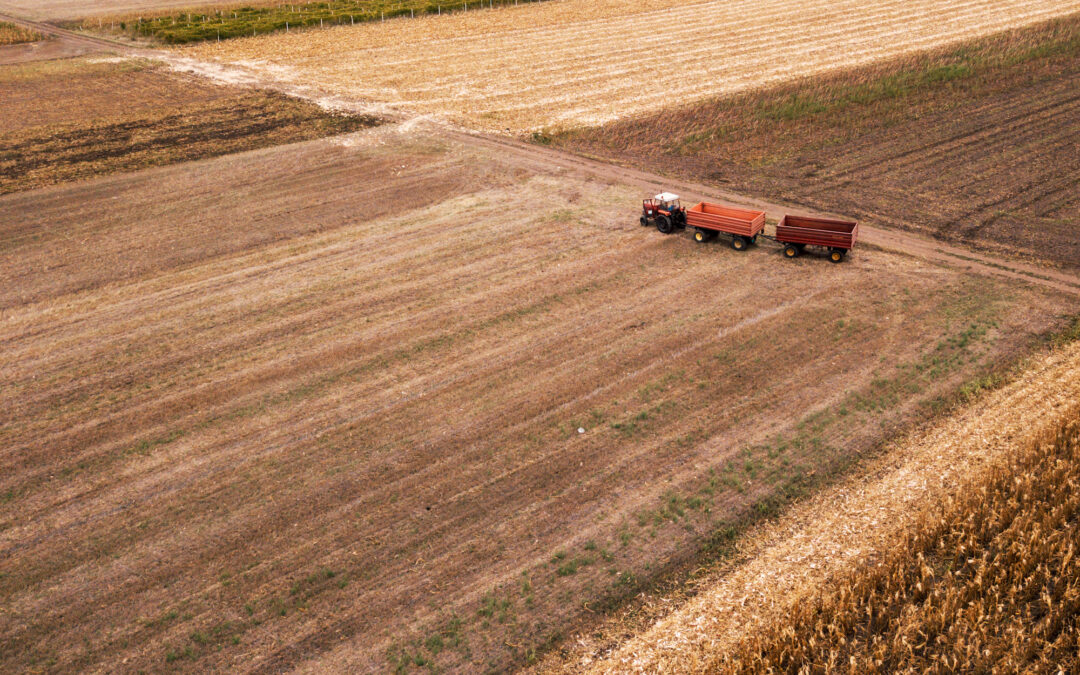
(329, 417)
(973, 143)
(71, 120)
(220, 22)
(958, 537)
(575, 62)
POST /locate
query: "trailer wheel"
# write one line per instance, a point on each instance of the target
(753, 240)
(836, 255)
(644, 221)
(791, 251)
(663, 223)
(738, 243)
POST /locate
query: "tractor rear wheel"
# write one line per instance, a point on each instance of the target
(791, 251)
(738, 243)
(663, 223)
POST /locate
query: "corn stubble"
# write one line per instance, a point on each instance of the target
(987, 582)
(557, 65)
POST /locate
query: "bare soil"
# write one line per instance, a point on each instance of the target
(972, 144)
(71, 120)
(328, 417)
(43, 50)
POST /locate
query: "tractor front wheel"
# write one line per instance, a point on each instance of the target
(663, 223)
(644, 221)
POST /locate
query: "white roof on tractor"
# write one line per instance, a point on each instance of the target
(666, 197)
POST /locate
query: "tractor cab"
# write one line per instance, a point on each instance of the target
(663, 203)
(664, 211)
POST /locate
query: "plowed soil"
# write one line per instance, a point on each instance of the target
(70, 120)
(982, 153)
(390, 398)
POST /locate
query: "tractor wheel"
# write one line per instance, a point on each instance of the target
(663, 223)
(738, 243)
(791, 251)
(701, 236)
(644, 221)
(836, 255)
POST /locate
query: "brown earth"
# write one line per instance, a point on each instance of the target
(71, 120)
(973, 144)
(328, 417)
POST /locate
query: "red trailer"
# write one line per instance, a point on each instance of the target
(798, 232)
(708, 220)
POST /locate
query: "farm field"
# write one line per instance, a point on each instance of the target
(935, 538)
(334, 424)
(67, 120)
(570, 63)
(288, 389)
(974, 144)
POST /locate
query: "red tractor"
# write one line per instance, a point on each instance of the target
(665, 211)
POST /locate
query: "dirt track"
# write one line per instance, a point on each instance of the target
(548, 158)
(896, 240)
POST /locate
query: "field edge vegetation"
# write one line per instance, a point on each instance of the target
(226, 21)
(986, 581)
(12, 34)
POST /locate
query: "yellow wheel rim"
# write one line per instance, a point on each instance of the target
(699, 236)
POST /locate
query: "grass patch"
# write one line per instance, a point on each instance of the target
(12, 34)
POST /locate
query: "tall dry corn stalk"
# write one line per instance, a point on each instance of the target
(987, 582)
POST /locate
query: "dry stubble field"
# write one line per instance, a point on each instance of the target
(582, 62)
(332, 423)
(72, 119)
